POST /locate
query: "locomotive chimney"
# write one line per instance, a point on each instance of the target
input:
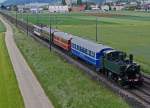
(131, 58)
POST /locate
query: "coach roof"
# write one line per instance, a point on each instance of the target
(63, 35)
(48, 29)
(89, 44)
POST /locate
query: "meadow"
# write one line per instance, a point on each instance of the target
(128, 32)
(65, 85)
(10, 96)
(2, 28)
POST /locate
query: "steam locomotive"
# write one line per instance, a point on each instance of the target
(115, 64)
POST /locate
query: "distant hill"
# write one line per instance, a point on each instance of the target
(9, 2)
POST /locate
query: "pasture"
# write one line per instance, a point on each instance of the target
(64, 84)
(129, 31)
(10, 96)
(2, 28)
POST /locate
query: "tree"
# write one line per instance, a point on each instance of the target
(3, 7)
(79, 2)
(63, 2)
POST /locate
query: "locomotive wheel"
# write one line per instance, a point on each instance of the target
(122, 82)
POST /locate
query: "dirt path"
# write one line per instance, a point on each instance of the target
(32, 92)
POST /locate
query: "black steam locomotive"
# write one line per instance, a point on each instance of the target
(122, 68)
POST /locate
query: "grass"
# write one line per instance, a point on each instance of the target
(2, 28)
(10, 96)
(65, 85)
(129, 33)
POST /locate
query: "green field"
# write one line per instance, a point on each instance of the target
(10, 96)
(2, 28)
(64, 84)
(129, 32)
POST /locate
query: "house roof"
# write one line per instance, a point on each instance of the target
(63, 35)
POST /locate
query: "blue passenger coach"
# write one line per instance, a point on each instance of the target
(89, 51)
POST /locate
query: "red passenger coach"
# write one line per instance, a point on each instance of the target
(62, 40)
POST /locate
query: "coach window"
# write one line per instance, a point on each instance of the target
(93, 54)
(82, 49)
(88, 52)
(72, 45)
(85, 51)
(75, 46)
(78, 47)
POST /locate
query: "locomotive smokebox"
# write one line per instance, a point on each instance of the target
(131, 58)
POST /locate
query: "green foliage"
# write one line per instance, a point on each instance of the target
(63, 2)
(65, 85)
(10, 96)
(79, 2)
(2, 28)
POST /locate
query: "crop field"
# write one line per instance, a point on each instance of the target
(10, 96)
(128, 31)
(64, 84)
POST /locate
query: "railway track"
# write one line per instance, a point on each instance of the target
(138, 97)
(143, 93)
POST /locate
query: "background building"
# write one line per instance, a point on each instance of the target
(53, 8)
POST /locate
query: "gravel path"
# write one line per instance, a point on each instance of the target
(32, 92)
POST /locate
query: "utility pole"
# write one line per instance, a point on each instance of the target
(96, 29)
(50, 32)
(28, 20)
(16, 15)
(56, 20)
(37, 18)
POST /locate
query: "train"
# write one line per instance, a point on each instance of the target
(116, 65)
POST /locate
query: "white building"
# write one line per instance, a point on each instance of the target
(58, 8)
(95, 7)
(36, 10)
(20, 8)
(117, 7)
(104, 7)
